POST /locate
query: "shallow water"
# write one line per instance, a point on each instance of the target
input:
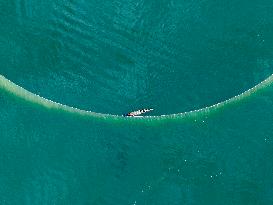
(112, 57)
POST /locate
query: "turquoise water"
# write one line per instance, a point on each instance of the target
(70, 68)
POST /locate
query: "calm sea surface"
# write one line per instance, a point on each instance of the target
(116, 56)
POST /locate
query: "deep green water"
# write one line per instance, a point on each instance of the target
(116, 56)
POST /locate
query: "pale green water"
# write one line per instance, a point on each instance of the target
(112, 57)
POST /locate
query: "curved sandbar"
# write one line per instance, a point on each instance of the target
(17, 91)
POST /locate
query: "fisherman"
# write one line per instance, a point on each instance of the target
(138, 112)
